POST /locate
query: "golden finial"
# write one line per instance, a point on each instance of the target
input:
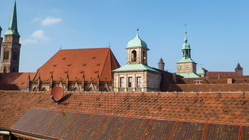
(185, 32)
(137, 29)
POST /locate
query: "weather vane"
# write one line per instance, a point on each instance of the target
(186, 28)
(137, 29)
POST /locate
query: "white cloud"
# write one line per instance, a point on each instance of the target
(50, 21)
(27, 41)
(39, 34)
(36, 19)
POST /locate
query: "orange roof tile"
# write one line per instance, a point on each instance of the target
(76, 62)
(180, 112)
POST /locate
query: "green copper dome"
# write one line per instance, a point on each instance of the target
(136, 42)
(186, 45)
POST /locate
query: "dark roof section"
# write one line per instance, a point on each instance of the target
(76, 62)
(239, 67)
(19, 79)
(68, 125)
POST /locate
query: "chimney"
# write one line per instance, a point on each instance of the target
(229, 80)
(219, 77)
(161, 64)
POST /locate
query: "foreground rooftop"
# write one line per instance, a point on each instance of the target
(127, 115)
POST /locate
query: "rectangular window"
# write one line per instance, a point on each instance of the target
(129, 81)
(187, 67)
(121, 82)
(181, 67)
(138, 81)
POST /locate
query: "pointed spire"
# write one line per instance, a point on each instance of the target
(13, 23)
(186, 39)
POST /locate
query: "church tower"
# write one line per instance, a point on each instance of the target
(11, 46)
(186, 67)
(137, 51)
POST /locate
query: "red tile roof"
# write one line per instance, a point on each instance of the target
(76, 62)
(215, 74)
(20, 79)
(209, 87)
(198, 112)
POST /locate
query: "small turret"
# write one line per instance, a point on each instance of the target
(161, 64)
(239, 70)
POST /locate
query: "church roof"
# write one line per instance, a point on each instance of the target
(136, 42)
(135, 67)
(13, 23)
(78, 62)
(239, 67)
(126, 115)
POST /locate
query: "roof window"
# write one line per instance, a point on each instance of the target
(94, 57)
(65, 71)
(63, 58)
(84, 64)
(68, 65)
(54, 65)
(98, 64)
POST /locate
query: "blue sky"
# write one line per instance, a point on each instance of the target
(218, 31)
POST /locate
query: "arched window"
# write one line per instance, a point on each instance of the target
(144, 57)
(6, 55)
(4, 70)
(133, 56)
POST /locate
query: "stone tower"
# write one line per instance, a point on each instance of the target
(186, 67)
(137, 51)
(11, 46)
(239, 70)
(161, 64)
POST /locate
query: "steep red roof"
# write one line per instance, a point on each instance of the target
(75, 62)
(20, 79)
(239, 67)
(215, 74)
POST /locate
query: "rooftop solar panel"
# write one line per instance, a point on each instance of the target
(112, 128)
(60, 124)
(24, 120)
(134, 129)
(92, 127)
(74, 126)
(30, 126)
(160, 129)
(222, 132)
(47, 122)
(189, 130)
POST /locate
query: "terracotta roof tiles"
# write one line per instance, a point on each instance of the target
(76, 62)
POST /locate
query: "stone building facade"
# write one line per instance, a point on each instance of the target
(136, 75)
